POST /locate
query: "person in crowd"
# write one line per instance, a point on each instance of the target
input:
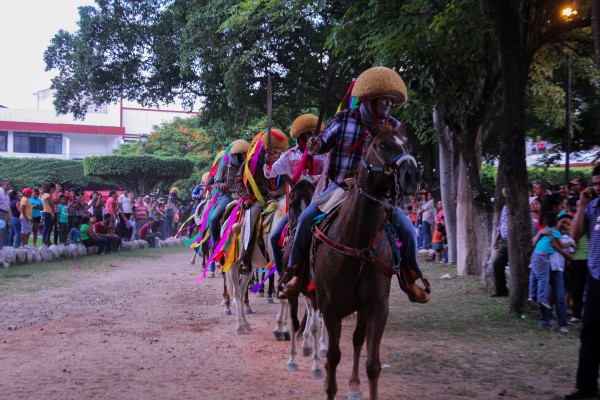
(557, 279)
(111, 206)
(428, 219)
(438, 241)
(75, 233)
(146, 233)
(36, 212)
(535, 208)
(97, 205)
(160, 224)
(63, 218)
(500, 257)
(125, 202)
(545, 242)
(82, 207)
(141, 213)
(4, 210)
(169, 217)
(26, 218)
(587, 221)
(255, 196)
(15, 220)
(47, 212)
(579, 272)
(577, 186)
(59, 190)
(89, 237)
(102, 230)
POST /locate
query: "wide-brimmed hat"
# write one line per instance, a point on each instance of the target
(278, 139)
(380, 82)
(239, 146)
(304, 123)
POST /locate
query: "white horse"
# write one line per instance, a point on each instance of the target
(238, 283)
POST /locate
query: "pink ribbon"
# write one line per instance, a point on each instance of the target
(224, 238)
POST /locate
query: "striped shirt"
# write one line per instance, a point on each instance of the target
(592, 227)
(343, 138)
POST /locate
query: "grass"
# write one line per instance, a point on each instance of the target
(467, 341)
(24, 278)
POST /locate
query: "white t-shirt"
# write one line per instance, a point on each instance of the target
(125, 203)
(557, 261)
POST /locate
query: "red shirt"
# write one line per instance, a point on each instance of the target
(144, 230)
(100, 228)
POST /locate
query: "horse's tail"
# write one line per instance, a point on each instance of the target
(300, 330)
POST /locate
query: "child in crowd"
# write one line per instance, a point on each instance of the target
(63, 218)
(557, 279)
(438, 241)
(545, 242)
(36, 213)
(74, 234)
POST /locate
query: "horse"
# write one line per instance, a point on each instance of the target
(352, 262)
(314, 342)
(239, 282)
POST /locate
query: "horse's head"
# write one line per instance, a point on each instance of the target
(388, 168)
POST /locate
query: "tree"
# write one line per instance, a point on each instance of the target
(522, 27)
(139, 174)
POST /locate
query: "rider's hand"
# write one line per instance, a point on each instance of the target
(224, 187)
(273, 194)
(313, 145)
(270, 159)
(247, 203)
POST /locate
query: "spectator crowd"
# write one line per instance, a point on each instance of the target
(51, 214)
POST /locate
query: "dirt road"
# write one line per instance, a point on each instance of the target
(140, 329)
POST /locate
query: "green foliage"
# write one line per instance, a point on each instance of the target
(31, 172)
(556, 176)
(140, 174)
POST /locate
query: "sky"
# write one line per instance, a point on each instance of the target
(26, 28)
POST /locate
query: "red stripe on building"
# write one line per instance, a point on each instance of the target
(61, 128)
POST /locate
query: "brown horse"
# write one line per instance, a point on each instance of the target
(360, 282)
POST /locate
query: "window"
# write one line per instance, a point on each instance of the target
(3, 141)
(41, 143)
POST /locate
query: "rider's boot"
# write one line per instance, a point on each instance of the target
(292, 288)
(407, 279)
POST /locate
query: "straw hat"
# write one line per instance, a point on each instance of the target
(304, 123)
(205, 177)
(239, 146)
(380, 82)
(278, 139)
(174, 190)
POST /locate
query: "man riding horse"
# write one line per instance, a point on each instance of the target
(292, 165)
(225, 181)
(255, 189)
(346, 138)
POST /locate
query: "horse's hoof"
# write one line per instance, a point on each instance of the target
(248, 310)
(354, 396)
(246, 327)
(286, 336)
(210, 274)
(307, 351)
(193, 262)
(240, 331)
(226, 312)
(261, 294)
(278, 336)
(291, 367)
(269, 300)
(223, 302)
(316, 374)
(323, 353)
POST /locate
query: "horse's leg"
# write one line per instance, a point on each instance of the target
(375, 328)
(324, 344)
(334, 329)
(226, 299)
(193, 260)
(237, 298)
(279, 321)
(271, 289)
(307, 346)
(247, 308)
(358, 339)
(316, 372)
(243, 288)
(292, 364)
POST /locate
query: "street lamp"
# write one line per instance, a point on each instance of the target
(143, 140)
(567, 14)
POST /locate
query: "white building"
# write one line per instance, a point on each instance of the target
(42, 133)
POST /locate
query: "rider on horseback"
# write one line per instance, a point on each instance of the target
(225, 181)
(292, 165)
(267, 188)
(346, 138)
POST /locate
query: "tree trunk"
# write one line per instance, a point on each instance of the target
(447, 181)
(466, 243)
(596, 29)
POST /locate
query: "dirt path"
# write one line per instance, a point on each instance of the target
(142, 330)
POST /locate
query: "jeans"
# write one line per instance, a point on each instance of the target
(48, 221)
(15, 232)
(168, 225)
(589, 352)
(138, 226)
(539, 277)
(274, 238)
(215, 218)
(125, 232)
(407, 235)
(499, 261)
(426, 240)
(303, 236)
(557, 283)
(3, 231)
(63, 230)
(578, 274)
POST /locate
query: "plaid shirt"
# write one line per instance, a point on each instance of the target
(340, 137)
(592, 228)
